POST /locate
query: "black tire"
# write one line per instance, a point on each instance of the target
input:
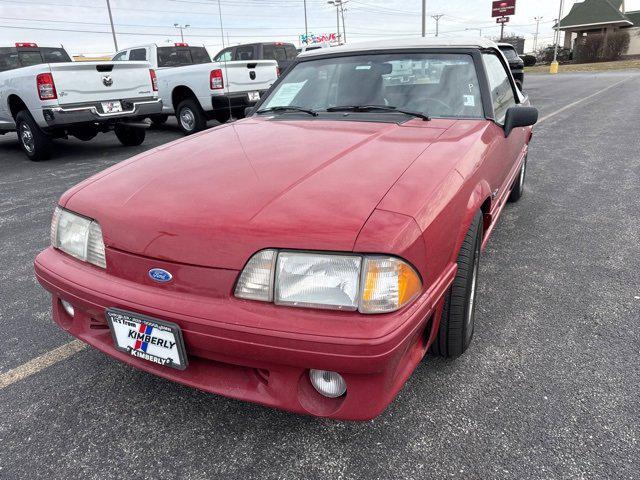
(35, 143)
(158, 120)
(130, 136)
(518, 187)
(191, 118)
(222, 116)
(458, 316)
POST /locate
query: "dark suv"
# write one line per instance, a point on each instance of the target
(516, 64)
(283, 53)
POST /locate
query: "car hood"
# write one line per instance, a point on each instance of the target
(215, 198)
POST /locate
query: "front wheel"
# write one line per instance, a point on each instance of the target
(159, 119)
(130, 136)
(458, 315)
(518, 187)
(190, 116)
(36, 144)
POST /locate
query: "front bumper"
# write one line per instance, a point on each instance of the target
(257, 363)
(92, 113)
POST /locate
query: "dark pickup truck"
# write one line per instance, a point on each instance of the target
(516, 64)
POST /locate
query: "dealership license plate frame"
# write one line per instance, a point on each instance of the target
(114, 106)
(253, 96)
(140, 319)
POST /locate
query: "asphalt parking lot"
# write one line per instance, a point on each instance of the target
(549, 388)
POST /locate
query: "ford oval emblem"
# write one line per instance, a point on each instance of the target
(160, 275)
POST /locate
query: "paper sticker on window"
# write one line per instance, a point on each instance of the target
(286, 93)
(469, 101)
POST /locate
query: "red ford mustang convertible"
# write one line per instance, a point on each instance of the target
(308, 256)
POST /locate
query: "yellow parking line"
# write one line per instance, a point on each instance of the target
(577, 102)
(40, 363)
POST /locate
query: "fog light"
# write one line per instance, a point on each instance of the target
(68, 308)
(329, 384)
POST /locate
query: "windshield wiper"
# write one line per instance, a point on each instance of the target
(290, 108)
(382, 108)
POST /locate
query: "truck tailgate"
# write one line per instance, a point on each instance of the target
(246, 76)
(87, 82)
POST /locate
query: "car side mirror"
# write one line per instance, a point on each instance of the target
(519, 117)
(248, 111)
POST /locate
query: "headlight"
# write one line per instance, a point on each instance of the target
(78, 236)
(368, 283)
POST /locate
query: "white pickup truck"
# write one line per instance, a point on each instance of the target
(194, 89)
(45, 95)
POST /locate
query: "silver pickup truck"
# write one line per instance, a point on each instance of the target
(45, 95)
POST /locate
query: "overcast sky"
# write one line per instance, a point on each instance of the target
(83, 25)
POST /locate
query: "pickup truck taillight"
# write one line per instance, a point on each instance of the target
(46, 87)
(154, 79)
(216, 79)
(278, 72)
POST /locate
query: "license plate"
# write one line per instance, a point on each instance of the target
(254, 96)
(148, 338)
(112, 107)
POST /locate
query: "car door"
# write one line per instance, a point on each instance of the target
(504, 153)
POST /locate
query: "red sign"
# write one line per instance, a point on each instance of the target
(502, 8)
(502, 20)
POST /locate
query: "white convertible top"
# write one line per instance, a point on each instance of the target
(399, 43)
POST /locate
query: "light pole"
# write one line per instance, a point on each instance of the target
(478, 29)
(554, 65)
(437, 19)
(535, 38)
(306, 28)
(424, 18)
(113, 30)
(181, 28)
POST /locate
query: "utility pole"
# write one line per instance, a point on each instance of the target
(221, 29)
(554, 64)
(339, 4)
(535, 38)
(424, 18)
(113, 30)
(502, 31)
(437, 19)
(182, 28)
(306, 28)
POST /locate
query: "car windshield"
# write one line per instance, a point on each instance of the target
(438, 85)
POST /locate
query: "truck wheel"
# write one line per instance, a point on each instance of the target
(158, 120)
(130, 136)
(518, 187)
(36, 144)
(191, 119)
(222, 116)
(458, 316)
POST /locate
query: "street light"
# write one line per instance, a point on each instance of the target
(182, 28)
(478, 29)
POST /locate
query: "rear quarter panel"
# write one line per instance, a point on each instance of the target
(21, 82)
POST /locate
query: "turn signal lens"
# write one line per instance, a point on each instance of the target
(256, 280)
(389, 284)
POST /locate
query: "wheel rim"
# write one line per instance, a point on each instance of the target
(522, 173)
(187, 119)
(26, 137)
(472, 295)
